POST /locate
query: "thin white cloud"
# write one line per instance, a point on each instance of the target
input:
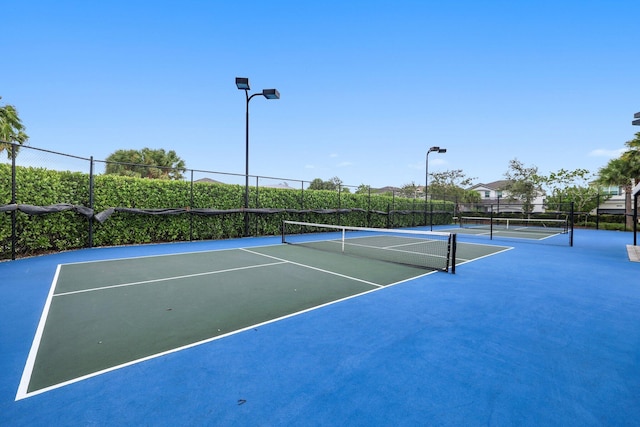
(333, 155)
(344, 164)
(601, 152)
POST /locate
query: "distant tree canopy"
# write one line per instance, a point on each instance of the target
(363, 189)
(523, 183)
(409, 190)
(11, 128)
(452, 183)
(574, 186)
(334, 184)
(146, 163)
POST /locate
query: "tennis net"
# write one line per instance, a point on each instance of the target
(427, 249)
(537, 225)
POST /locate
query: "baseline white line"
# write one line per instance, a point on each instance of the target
(316, 268)
(204, 251)
(485, 256)
(164, 279)
(35, 345)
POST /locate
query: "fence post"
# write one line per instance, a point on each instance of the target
(388, 215)
(413, 210)
(597, 213)
(14, 238)
(430, 215)
(635, 218)
(257, 204)
(91, 198)
(190, 210)
(339, 204)
(393, 208)
(301, 216)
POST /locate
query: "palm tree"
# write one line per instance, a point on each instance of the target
(146, 163)
(624, 171)
(632, 155)
(11, 129)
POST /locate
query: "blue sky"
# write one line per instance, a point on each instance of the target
(366, 86)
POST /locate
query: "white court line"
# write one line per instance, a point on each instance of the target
(35, 345)
(164, 279)
(465, 261)
(315, 268)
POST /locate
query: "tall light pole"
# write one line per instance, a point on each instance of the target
(426, 178)
(243, 84)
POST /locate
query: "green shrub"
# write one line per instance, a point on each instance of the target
(70, 230)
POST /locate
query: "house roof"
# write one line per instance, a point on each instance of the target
(281, 185)
(385, 189)
(495, 185)
(209, 180)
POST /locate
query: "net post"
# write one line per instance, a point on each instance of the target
(454, 245)
(571, 226)
(282, 231)
(491, 224)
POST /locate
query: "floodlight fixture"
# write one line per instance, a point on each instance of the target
(436, 150)
(271, 93)
(242, 83)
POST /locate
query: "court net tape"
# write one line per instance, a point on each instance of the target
(427, 249)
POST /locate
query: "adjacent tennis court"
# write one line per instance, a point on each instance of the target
(544, 230)
(105, 315)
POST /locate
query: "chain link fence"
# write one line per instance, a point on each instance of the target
(51, 201)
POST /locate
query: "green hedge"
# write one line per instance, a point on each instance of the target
(69, 230)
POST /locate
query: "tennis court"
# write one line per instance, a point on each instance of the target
(534, 335)
(549, 230)
(105, 315)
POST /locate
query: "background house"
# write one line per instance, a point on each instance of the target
(493, 197)
(615, 204)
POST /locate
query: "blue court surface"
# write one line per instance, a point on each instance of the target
(538, 335)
